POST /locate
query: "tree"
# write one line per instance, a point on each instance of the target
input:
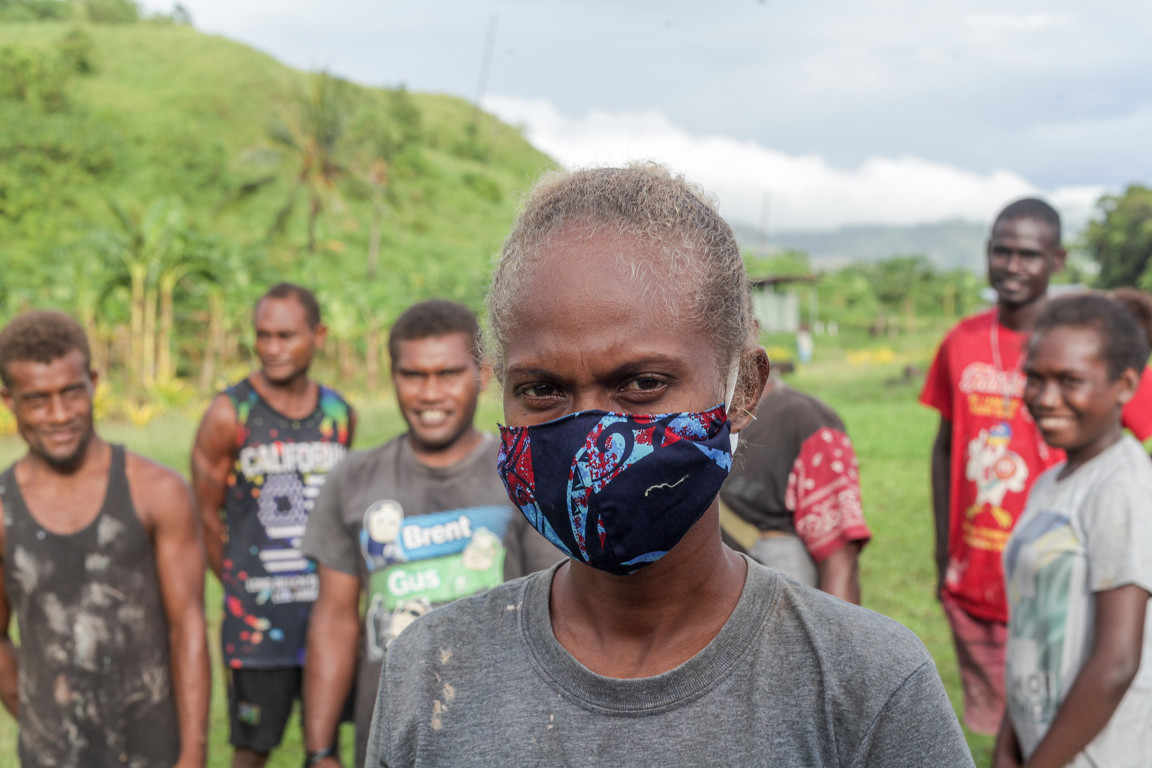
(391, 138)
(1120, 240)
(153, 249)
(309, 139)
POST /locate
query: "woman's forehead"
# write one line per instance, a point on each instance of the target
(589, 288)
(608, 275)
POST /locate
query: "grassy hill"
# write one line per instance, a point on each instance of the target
(166, 113)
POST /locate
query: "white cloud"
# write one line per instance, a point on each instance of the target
(800, 191)
(1018, 21)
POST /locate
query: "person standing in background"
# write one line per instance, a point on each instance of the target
(263, 451)
(100, 563)
(988, 451)
(796, 480)
(409, 525)
(1079, 656)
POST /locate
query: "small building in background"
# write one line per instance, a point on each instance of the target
(779, 306)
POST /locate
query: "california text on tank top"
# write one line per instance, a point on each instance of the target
(93, 656)
(281, 465)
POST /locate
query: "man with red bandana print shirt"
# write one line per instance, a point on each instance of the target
(795, 478)
(988, 451)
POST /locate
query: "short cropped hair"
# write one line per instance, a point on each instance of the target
(692, 260)
(41, 336)
(435, 317)
(306, 298)
(1139, 304)
(1123, 344)
(1032, 208)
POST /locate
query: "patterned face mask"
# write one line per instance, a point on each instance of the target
(613, 490)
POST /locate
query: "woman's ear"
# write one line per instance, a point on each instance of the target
(1129, 383)
(754, 368)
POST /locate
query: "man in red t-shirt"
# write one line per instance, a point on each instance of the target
(988, 451)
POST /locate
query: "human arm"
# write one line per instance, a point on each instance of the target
(824, 496)
(941, 498)
(213, 455)
(1103, 680)
(9, 669)
(330, 662)
(840, 573)
(1006, 754)
(169, 514)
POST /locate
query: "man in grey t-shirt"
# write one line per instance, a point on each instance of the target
(412, 524)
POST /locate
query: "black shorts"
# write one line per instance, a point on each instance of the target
(260, 703)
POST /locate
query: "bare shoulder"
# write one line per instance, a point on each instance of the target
(220, 416)
(156, 490)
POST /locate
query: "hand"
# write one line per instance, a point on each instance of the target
(328, 762)
(1004, 760)
(1006, 753)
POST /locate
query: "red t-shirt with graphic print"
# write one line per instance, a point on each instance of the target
(997, 452)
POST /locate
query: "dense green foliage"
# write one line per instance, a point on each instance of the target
(1120, 240)
(895, 295)
(154, 180)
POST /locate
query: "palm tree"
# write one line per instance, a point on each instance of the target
(310, 136)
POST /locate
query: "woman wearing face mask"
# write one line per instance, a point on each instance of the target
(623, 335)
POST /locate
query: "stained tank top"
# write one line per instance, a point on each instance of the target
(281, 464)
(94, 664)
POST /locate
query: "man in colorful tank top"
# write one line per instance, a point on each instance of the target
(262, 453)
(412, 524)
(988, 451)
(102, 568)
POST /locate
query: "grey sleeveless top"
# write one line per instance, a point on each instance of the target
(93, 655)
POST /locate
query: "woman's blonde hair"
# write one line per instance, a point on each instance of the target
(691, 259)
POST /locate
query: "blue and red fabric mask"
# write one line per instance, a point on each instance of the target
(613, 490)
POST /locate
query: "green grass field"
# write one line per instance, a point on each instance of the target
(892, 434)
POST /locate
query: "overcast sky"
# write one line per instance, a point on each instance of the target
(831, 111)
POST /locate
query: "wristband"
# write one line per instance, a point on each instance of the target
(311, 758)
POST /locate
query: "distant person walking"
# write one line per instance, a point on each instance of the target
(804, 345)
(988, 452)
(1079, 575)
(103, 570)
(263, 451)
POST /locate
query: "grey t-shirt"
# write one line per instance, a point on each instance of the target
(794, 677)
(1085, 534)
(416, 536)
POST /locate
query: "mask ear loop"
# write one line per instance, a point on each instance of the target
(730, 391)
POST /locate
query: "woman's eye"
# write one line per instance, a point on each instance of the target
(538, 390)
(644, 384)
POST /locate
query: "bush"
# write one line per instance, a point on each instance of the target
(34, 10)
(34, 77)
(113, 11)
(76, 51)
